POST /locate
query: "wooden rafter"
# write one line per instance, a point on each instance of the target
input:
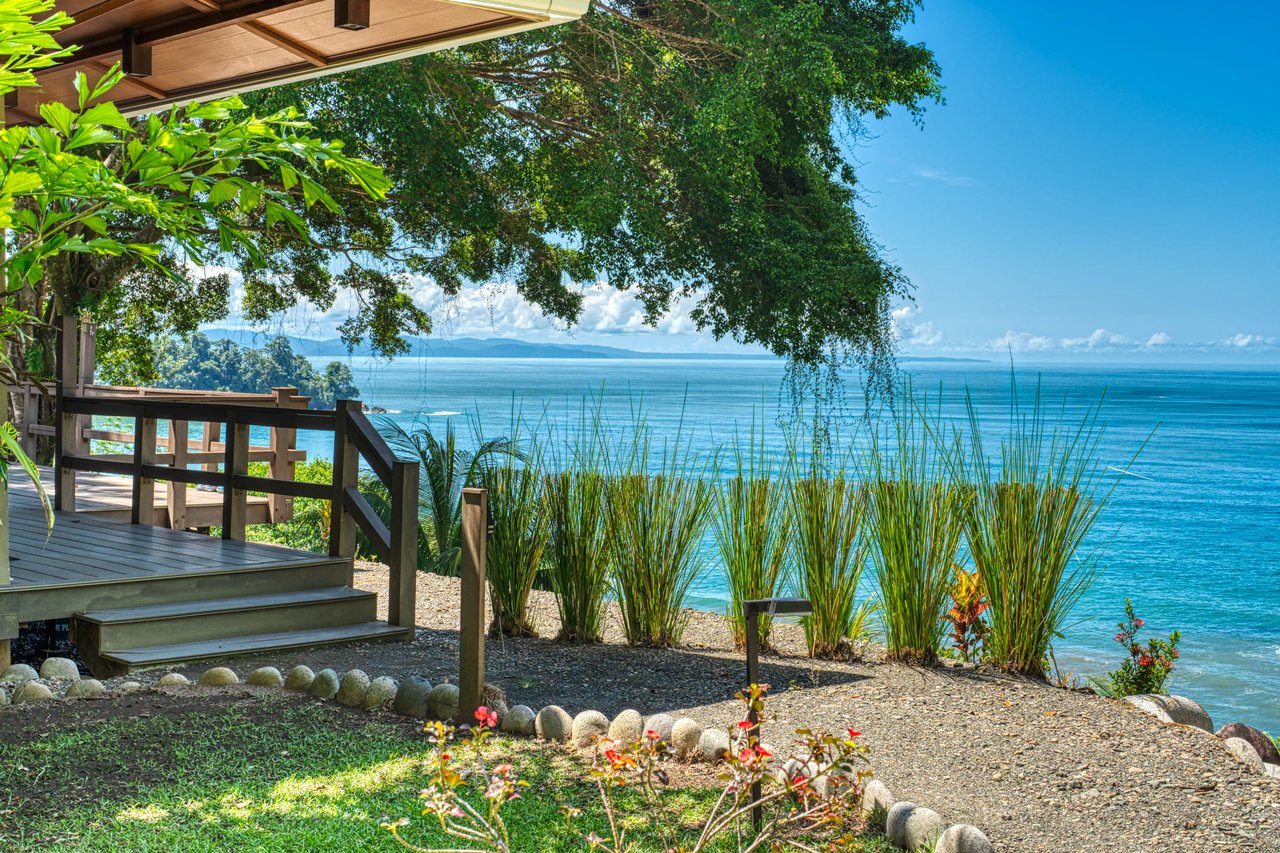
(190, 25)
(283, 42)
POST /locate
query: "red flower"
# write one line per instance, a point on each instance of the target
(652, 734)
(1145, 660)
(852, 734)
(762, 752)
(1138, 623)
(745, 724)
(1120, 638)
(486, 718)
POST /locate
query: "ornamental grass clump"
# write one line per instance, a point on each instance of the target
(915, 523)
(829, 548)
(1027, 526)
(656, 523)
(517, 541)
(752, 528)
(577, 553)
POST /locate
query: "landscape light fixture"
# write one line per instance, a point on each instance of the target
(135, 59)
(351, 14)
(751, 611)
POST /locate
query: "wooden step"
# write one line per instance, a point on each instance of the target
(121, 661)
(192, 621)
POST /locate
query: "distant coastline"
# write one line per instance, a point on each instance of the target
(507, 348)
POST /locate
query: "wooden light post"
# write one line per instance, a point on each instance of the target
(751, 611)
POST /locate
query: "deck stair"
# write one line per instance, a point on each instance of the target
(114, 641)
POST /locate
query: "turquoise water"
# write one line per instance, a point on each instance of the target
(1193, 538)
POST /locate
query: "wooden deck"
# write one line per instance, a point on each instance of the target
(141, 596)
(109, 497)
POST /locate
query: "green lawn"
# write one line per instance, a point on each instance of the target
(267, 775)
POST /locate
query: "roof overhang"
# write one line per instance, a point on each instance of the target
(183, 50)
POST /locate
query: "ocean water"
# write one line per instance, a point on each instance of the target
(1192, 535)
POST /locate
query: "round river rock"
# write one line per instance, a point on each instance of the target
(59, 669)
(626, 727)
(553, 723)
(588, 726)
(351, 690)
(519, 721)
(299, 679)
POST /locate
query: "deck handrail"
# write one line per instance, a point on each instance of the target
(355, 439)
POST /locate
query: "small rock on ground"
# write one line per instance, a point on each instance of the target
(912, 827)
(173, 679)
(587, 727)
(32, 691)
(87, 688)
(1266, 749)
(626, 727)
(519, 721)
(963, 838)
(685, 735)
(553, 723)
(1172, 709)
(713, 744)
(352, 687)
(411, 698)
(219, 676)
(381, 692)
(325, 684)
(875, 795)
(18, 672)
(127, 687)
(442, 701)
(59, 669)
(265, 676)
(1244, 752)
(662, 724)
(300, 679)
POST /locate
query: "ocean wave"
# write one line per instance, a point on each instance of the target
(443, 413)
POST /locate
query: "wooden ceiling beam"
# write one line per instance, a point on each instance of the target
(106, 7)
(187, 26)
(283, 42)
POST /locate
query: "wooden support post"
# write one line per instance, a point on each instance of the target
(65, 425)
(475, 533)
(5, 658)
(402, 582)
(211, 434)
(4, 520)
(144, 488)
(235, 462)
(346, 473)
(176, 496)
(282, 464)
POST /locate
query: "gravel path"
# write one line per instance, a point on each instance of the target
(1037, 767)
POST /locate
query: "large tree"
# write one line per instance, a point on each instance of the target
(677, 147)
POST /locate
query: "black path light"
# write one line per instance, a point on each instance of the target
(751, 611)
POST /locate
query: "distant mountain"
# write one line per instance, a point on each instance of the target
(485, 348)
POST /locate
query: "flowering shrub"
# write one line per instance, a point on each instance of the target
(817, 790)
(968, 603)
(1147, 668)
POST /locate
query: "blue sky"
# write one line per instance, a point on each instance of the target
(1103, 182)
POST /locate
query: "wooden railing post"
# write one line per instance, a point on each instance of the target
(176, 496)
(283, 441)
(402, 582)
(66, 437)
(144, 488)
(475, 527)
(346, 474)
(235, 462)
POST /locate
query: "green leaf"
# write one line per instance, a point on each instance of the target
(224, 190)
(105, 113)
(59, 117)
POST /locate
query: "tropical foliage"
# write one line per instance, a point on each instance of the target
(224, 365)
(915, 524)
(517, 540)
(1146, 668)
(752, 529)
(446, 469)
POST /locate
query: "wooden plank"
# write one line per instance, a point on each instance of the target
(471, 628)
(357, 507)
(372, 446)
(176, 492)
(346, 470)
(402, 580)
(66, 440)
(260, 642)
(142, 509)
(285, 43)
(236, 463)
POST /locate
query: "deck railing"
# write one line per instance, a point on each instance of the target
(354, 440)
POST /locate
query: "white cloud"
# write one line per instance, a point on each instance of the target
(910, 331)
(1100, 339)
(1159, 339)
(942, 176)
(1021, 342)
(1242, 341)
